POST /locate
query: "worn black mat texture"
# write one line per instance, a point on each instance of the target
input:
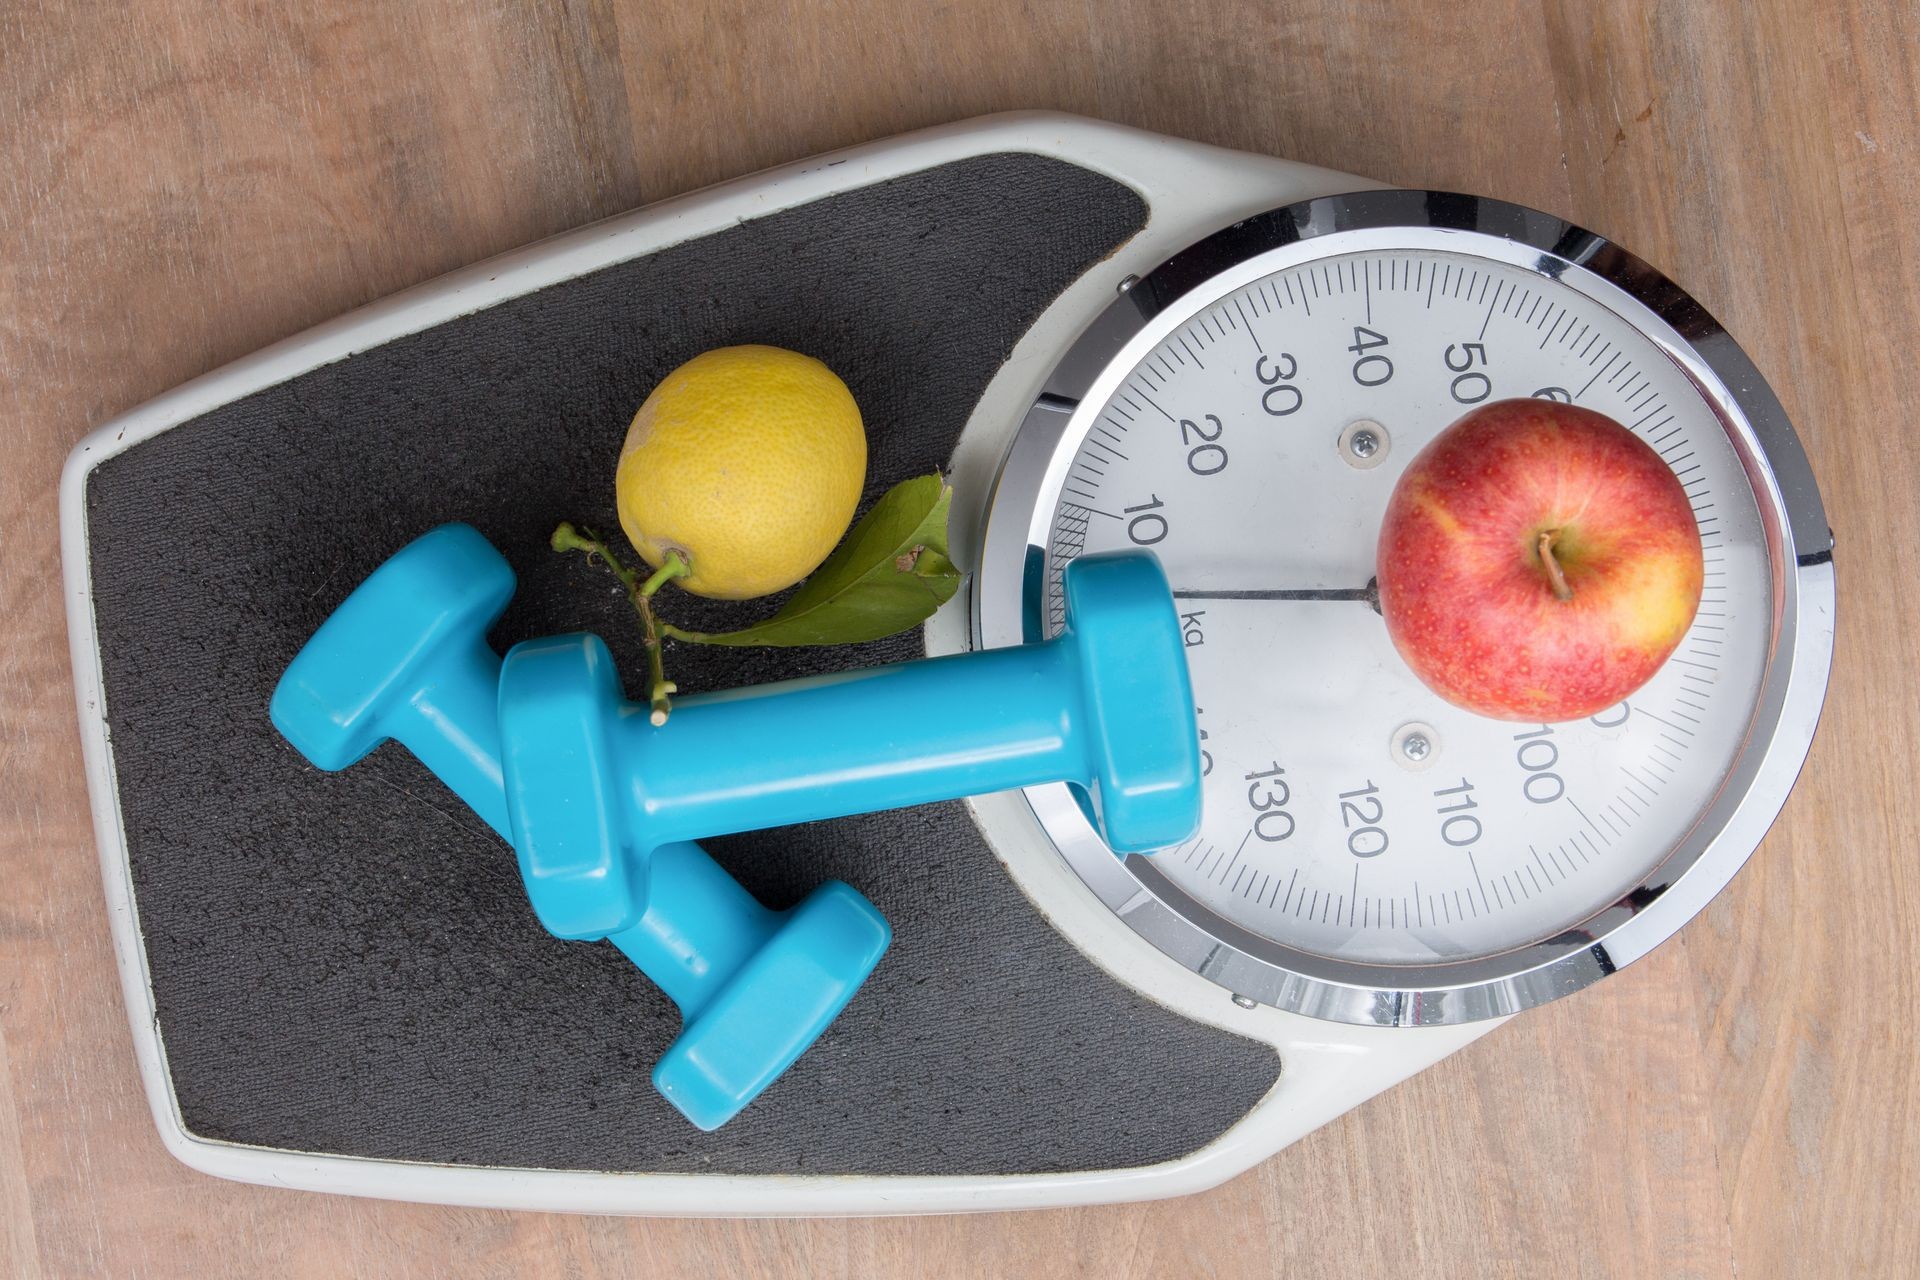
(346, 962)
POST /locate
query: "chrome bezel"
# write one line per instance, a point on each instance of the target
(1013, 570)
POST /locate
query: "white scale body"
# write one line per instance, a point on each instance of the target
(1365, 909)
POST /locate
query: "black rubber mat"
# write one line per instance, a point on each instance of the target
(346, 962)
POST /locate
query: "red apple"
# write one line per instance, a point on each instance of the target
(1538, 562)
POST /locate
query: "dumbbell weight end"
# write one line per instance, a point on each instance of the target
(755, 987)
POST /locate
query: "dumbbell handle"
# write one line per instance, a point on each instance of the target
(456, 732)
(689, 953)
(882, 738)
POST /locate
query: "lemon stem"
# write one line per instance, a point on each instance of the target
(1555, 574)
(567, 538)
(659, 688)
(675, 567)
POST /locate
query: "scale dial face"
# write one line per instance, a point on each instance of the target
(1228, 449)
(1368, 851)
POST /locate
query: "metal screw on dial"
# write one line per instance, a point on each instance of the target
(1414, 745)
(1364, 444)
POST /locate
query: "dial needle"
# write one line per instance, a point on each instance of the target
(1368, 595)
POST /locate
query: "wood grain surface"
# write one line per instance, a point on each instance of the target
(183, 181)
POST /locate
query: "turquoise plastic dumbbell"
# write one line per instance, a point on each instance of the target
(594, 788)
(406, 658)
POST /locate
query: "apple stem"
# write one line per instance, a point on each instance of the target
(1555, 574)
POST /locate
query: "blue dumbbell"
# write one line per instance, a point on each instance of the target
(593, 786)
(406, 657)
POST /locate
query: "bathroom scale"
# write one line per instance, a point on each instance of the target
(1105, 339)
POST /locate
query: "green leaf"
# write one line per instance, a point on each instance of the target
(890, 573)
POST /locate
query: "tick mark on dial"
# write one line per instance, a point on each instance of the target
(1249, 322)
(1156, 404)
(1490, 306)
(1589, 821)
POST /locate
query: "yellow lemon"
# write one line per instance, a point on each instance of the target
(749, 462)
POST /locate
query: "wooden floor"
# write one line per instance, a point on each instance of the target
(182, 182)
